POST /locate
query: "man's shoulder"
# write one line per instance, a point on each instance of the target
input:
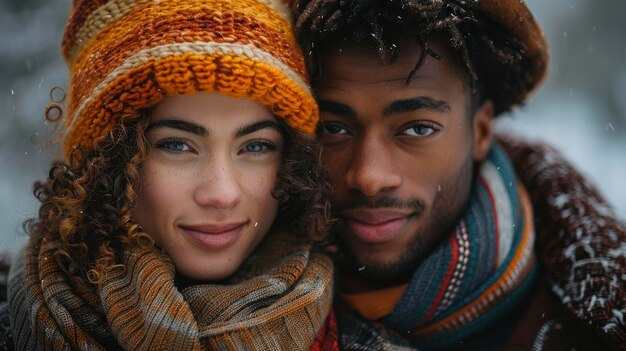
(580, 241)
(541, 322)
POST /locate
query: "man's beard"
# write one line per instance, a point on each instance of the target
(401, 269)
(445, 214)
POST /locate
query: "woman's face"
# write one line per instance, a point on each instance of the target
(206, 184)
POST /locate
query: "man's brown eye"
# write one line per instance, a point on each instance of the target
(420, 130)
(334, 128)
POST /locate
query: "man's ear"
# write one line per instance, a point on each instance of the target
(482, 124)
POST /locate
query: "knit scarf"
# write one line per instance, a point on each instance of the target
(278, 300)
(470, 280)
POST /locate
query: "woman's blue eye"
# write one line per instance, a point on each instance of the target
(173, 145)
(255, 147)
(258, 147)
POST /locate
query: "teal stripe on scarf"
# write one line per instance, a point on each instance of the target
(446, 340)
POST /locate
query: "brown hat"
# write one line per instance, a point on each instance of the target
(515, 18)
(126, 55)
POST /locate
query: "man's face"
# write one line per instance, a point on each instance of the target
(401, 155)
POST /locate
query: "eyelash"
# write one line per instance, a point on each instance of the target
(270, 146)
(325, 125)
(426, 124)
(162, 144)
(435, 128)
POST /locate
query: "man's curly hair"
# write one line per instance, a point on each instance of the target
(86, 203)
(492, 58)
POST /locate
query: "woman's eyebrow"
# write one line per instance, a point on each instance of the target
(251, 128)
(179, 124)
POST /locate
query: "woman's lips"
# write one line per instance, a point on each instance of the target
(214, 236)
(375, 226)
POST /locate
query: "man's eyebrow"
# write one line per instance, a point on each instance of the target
(251, 128)
(418, 103)
(179, 124)
(336, 108)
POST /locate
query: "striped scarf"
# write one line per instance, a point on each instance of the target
(279, 299)
(469, 281)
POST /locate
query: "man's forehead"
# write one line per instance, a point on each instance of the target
(366, 55)
(357, 62)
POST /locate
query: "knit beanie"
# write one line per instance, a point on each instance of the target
(126, 55)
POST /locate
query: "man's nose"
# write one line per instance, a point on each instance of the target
(373, 168)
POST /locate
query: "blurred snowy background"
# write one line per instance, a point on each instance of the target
(581, 109)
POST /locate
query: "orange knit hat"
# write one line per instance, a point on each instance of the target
(126, 55)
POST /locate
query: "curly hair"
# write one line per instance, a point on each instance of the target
(492, 58)
(86, 203)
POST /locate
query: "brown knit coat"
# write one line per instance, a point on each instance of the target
(580, 241)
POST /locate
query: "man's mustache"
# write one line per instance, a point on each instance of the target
(380, 202)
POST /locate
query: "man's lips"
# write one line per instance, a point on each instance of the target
(215, 235)
(375, 226)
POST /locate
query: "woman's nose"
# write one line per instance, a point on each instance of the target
(219, 187)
